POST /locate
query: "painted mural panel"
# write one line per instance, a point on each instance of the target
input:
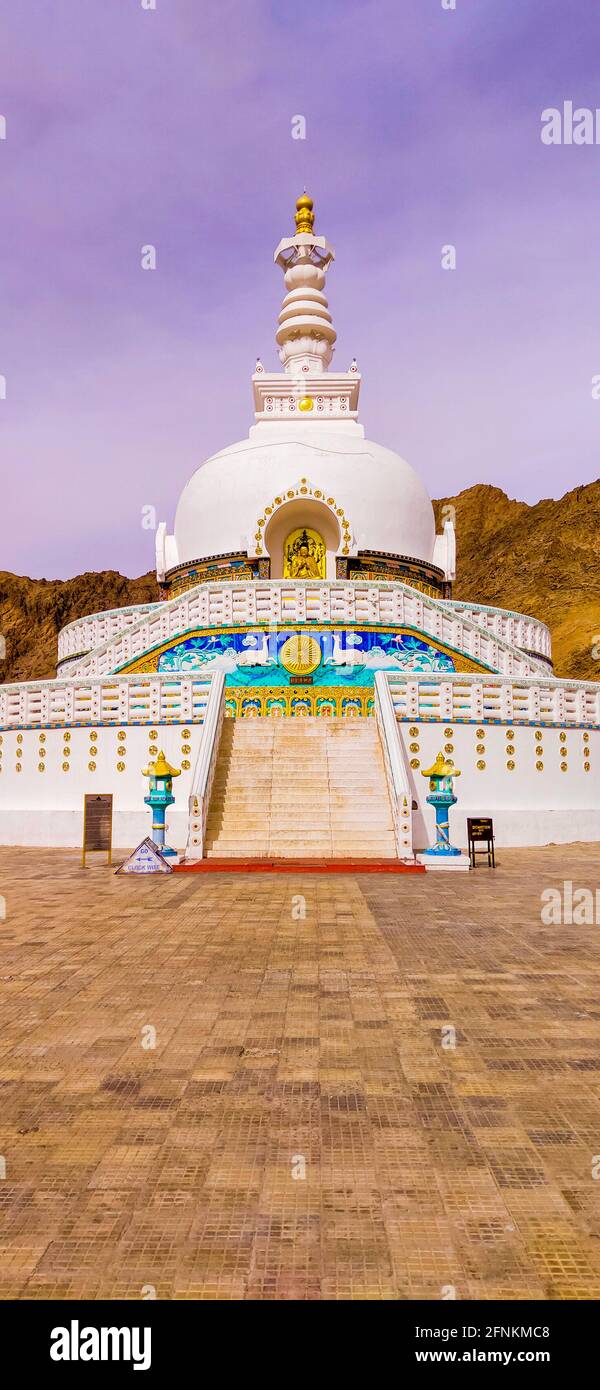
(325, 656)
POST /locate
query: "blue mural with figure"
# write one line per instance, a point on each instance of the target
(325, 656)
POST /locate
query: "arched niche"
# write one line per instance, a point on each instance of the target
(300, 512)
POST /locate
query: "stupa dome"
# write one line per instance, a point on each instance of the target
(306, 469)
(383, 499)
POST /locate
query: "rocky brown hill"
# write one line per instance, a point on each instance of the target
(542, 559)
(33, 610)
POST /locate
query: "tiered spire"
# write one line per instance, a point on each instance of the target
(306, 335)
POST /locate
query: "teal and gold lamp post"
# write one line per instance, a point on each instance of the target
(441, 797)
(160, 796)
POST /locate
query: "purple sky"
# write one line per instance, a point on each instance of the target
(127, 126)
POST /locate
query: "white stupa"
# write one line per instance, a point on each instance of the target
(306, 443)
(307, 668)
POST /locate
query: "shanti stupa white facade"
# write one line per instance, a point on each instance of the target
(306, 596)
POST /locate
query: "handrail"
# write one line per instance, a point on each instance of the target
(395, 769)
(204, 770)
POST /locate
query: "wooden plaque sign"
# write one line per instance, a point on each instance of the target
(97, 825)
(480, 830)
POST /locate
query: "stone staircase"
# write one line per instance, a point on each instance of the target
(300, 788)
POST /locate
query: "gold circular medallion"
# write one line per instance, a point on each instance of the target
(185, 766)
(65, 767)
(414, 762)
(448, 733)
(538, 735)
(480, 733)
(91, 767)
(540, 767)
(510, 765)
(414, 732)
(481, 765)
(41, 767)
(186, 748)
(300, 654)
(510, 749)
(510, 733)
(306, 403)
(586, 767)
(564, 767)
(448, 748)
(480, 748)
(93, 750)
(414, 748)
(121, 750)
(563, 738)
(120, 767)
(185, 733)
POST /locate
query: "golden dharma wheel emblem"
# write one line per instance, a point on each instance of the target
(414, 732)
(300, 654)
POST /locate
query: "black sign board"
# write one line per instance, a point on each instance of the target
(97, 825)
(480, 830)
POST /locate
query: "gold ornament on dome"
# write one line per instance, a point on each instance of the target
(186, 765)
(586, 767)
(510, 749)
(414, 762)
(65, 767)
(304, 555)
(448, 748)
(41, 767)
(480, 733)
(538, 735)
(185, 733)
(481, 766)
(480, 748)
(42, 738)
(19, 738)
(564, 767)
(92, 767)
(18, 767)
(304, 216)
(153, 734)
(510, 733)
(563, 738)
(510, 765)
(300, 654)
(120, 767)
(414, 748)
(153, 750)
(539, 767)
(93, 750)
(185, 748)
(414, 732)
(121, 750)
(448, 733)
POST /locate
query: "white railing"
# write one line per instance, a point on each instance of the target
(395, 767)
(83, 634)
(204, 770)
(281, 602)
(457, 698)
(515, 628)
(152, 699)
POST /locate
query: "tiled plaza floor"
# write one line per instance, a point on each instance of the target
(303, 1127)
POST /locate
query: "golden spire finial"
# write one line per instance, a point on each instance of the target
(305, 216)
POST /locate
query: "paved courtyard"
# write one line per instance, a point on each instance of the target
(372, 1087)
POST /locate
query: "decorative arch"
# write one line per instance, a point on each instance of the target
(320, 509)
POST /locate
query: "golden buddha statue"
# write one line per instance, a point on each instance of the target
(304, 555)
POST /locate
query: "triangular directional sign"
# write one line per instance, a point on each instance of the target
(146, 859)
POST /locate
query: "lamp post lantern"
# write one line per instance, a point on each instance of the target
(441, 797)
(160, 796)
